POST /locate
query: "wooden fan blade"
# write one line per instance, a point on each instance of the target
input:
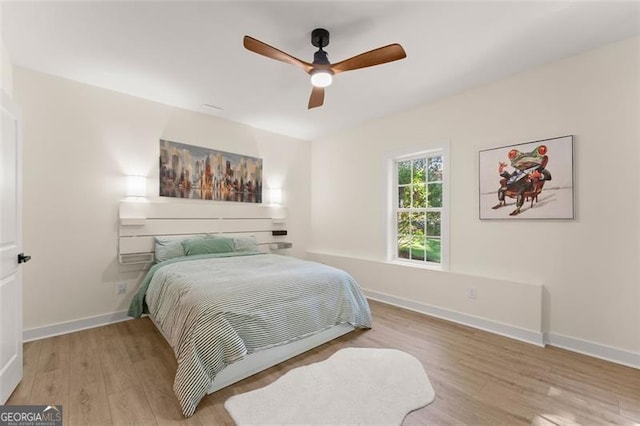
(264, 49)
(381, 55)
(317, 97)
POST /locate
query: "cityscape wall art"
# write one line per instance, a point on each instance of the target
(194, 172)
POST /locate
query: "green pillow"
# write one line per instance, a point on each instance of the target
(170, 247)
(207, 246)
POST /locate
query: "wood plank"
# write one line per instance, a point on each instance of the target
(51, 388)
(84, 364)
(87, 391)
(117, 368)
(630, 408)
(130, 407)
(51, 384)
(511, 400)
(469, 409)
(157, 381)
(541, 421)
(54, 354)
(139, 340)
(88, 405)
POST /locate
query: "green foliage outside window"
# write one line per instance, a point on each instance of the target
(419, 208)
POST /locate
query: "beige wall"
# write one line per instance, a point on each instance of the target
(79, 144)
(588, 266)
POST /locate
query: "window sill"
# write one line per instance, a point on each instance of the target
(432, 267)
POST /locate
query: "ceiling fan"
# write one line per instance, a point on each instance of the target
(321, 70)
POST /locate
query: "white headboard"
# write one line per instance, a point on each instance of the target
(141, 221)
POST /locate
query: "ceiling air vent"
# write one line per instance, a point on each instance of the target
(211, 109)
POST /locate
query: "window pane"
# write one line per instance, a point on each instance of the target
(433, 224)
(419, 196)
(404, 172)
(418, 248)
(435, 195)
(404, 224)
(417, 223)
(418, 170)
(434, 169)
(404, 247)
(404, 197)
(433, 250)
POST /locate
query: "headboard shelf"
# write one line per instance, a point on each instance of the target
(141, 222)
(199, 210)
(132, 221)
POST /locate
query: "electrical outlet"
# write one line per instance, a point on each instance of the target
(121, 288)
(471, 293)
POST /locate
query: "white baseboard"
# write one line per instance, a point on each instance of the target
(597, 350)
(528, 336)
(71, 326)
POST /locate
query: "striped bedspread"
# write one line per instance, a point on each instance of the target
(214, 310)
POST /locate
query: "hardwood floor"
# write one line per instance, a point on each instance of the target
(123, 374)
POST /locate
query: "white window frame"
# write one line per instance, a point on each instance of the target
(392, 203)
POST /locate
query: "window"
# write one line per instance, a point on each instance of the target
(418, 212)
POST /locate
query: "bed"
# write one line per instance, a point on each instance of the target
(231, 312)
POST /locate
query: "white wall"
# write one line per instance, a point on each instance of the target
(588, 266)
(79, 144)
(6, 68)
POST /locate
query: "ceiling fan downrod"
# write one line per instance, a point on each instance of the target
(320, 39)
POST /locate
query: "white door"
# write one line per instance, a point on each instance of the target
(10, 244)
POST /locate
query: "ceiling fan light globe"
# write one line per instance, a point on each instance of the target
(321, 79)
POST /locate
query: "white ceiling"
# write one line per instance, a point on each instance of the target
(190, 53)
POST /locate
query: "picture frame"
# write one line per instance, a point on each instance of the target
(188, 171)
(531, 180)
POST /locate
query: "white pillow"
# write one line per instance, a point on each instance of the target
(246, 244)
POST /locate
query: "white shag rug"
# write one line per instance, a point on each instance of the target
(354, 386)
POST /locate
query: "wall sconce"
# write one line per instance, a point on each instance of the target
(275, 196)
(136, 186)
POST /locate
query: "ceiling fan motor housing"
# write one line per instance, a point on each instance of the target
(320, 57)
